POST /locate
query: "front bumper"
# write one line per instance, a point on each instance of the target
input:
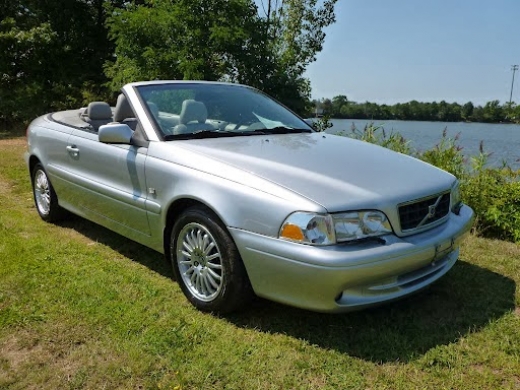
(348, 277)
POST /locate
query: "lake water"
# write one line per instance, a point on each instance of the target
(502, 140)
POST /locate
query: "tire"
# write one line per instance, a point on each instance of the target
(206, 263)
(45, 197)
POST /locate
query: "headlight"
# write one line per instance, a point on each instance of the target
(361, 224)
(456, 202)
(308, 228)
(326, 229)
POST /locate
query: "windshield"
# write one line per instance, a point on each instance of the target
(189, 110)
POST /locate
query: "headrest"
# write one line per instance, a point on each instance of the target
(99, 111)
(193, 111)
(123, 109)
(153, 109)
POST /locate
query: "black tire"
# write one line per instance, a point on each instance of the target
(213, 278)
(45, 198)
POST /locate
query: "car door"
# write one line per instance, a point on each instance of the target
(49, 144)
(109, 182)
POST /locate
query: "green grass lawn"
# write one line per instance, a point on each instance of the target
(84, 308)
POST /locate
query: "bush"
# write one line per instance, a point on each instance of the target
(503, 216)
(377, 135)
(322, 124)
(493, 193)
(446, 155)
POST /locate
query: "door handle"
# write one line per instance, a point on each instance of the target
(73, 150)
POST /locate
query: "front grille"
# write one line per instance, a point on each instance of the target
(423, 212)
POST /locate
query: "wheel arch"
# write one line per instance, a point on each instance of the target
(236, 290)
(175, 209)
(33, 160)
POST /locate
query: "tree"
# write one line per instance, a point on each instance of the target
(24, 67)
(493, 112)
(228, 40)
(478, 114)
(514, 115)
(338, 102)
(52, 54)
(326, 106)
(186, 39)
(467, 111)
(293, 34)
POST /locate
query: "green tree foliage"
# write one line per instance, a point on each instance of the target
(493, 112)
(23, 81)
(293, 35)
(52, 54)
(228, 40)
(338, 102)
(58, 54)
(467, 111)
(186, 39)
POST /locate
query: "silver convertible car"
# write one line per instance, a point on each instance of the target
(243, 197)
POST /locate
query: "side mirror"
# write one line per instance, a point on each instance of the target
(115, 133)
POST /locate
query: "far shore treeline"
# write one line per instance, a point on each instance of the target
(339, 107)
(63, 54)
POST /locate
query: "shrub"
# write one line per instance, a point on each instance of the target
(322, 124)
(503, 216)
(446, 155)
(377, 135)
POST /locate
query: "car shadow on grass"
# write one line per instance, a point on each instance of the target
(128, 248)
(465, 300)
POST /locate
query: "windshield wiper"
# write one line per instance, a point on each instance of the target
(200, 134)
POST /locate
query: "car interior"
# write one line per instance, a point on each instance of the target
(181, 112)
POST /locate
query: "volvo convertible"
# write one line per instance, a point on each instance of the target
(245, 198)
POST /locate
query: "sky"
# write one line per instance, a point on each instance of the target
(390, 51)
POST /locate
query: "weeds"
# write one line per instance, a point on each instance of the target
(322, 124)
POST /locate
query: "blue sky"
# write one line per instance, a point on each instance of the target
(390, 51)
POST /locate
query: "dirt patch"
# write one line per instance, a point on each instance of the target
(517, 311)
(17, 357)
(21, 141)
(59, 355)
(52, 358)
(5, 187)
(16, 352)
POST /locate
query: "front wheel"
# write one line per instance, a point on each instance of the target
(45, 198)
(207, 264)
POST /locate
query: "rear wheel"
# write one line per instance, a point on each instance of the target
(45, 198)
(207, 264)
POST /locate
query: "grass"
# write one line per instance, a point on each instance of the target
(84, 308)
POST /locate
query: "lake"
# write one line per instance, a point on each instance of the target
(502, 140)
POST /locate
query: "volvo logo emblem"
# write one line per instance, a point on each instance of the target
(431, 211)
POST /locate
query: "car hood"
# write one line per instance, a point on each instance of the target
(336, 172)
